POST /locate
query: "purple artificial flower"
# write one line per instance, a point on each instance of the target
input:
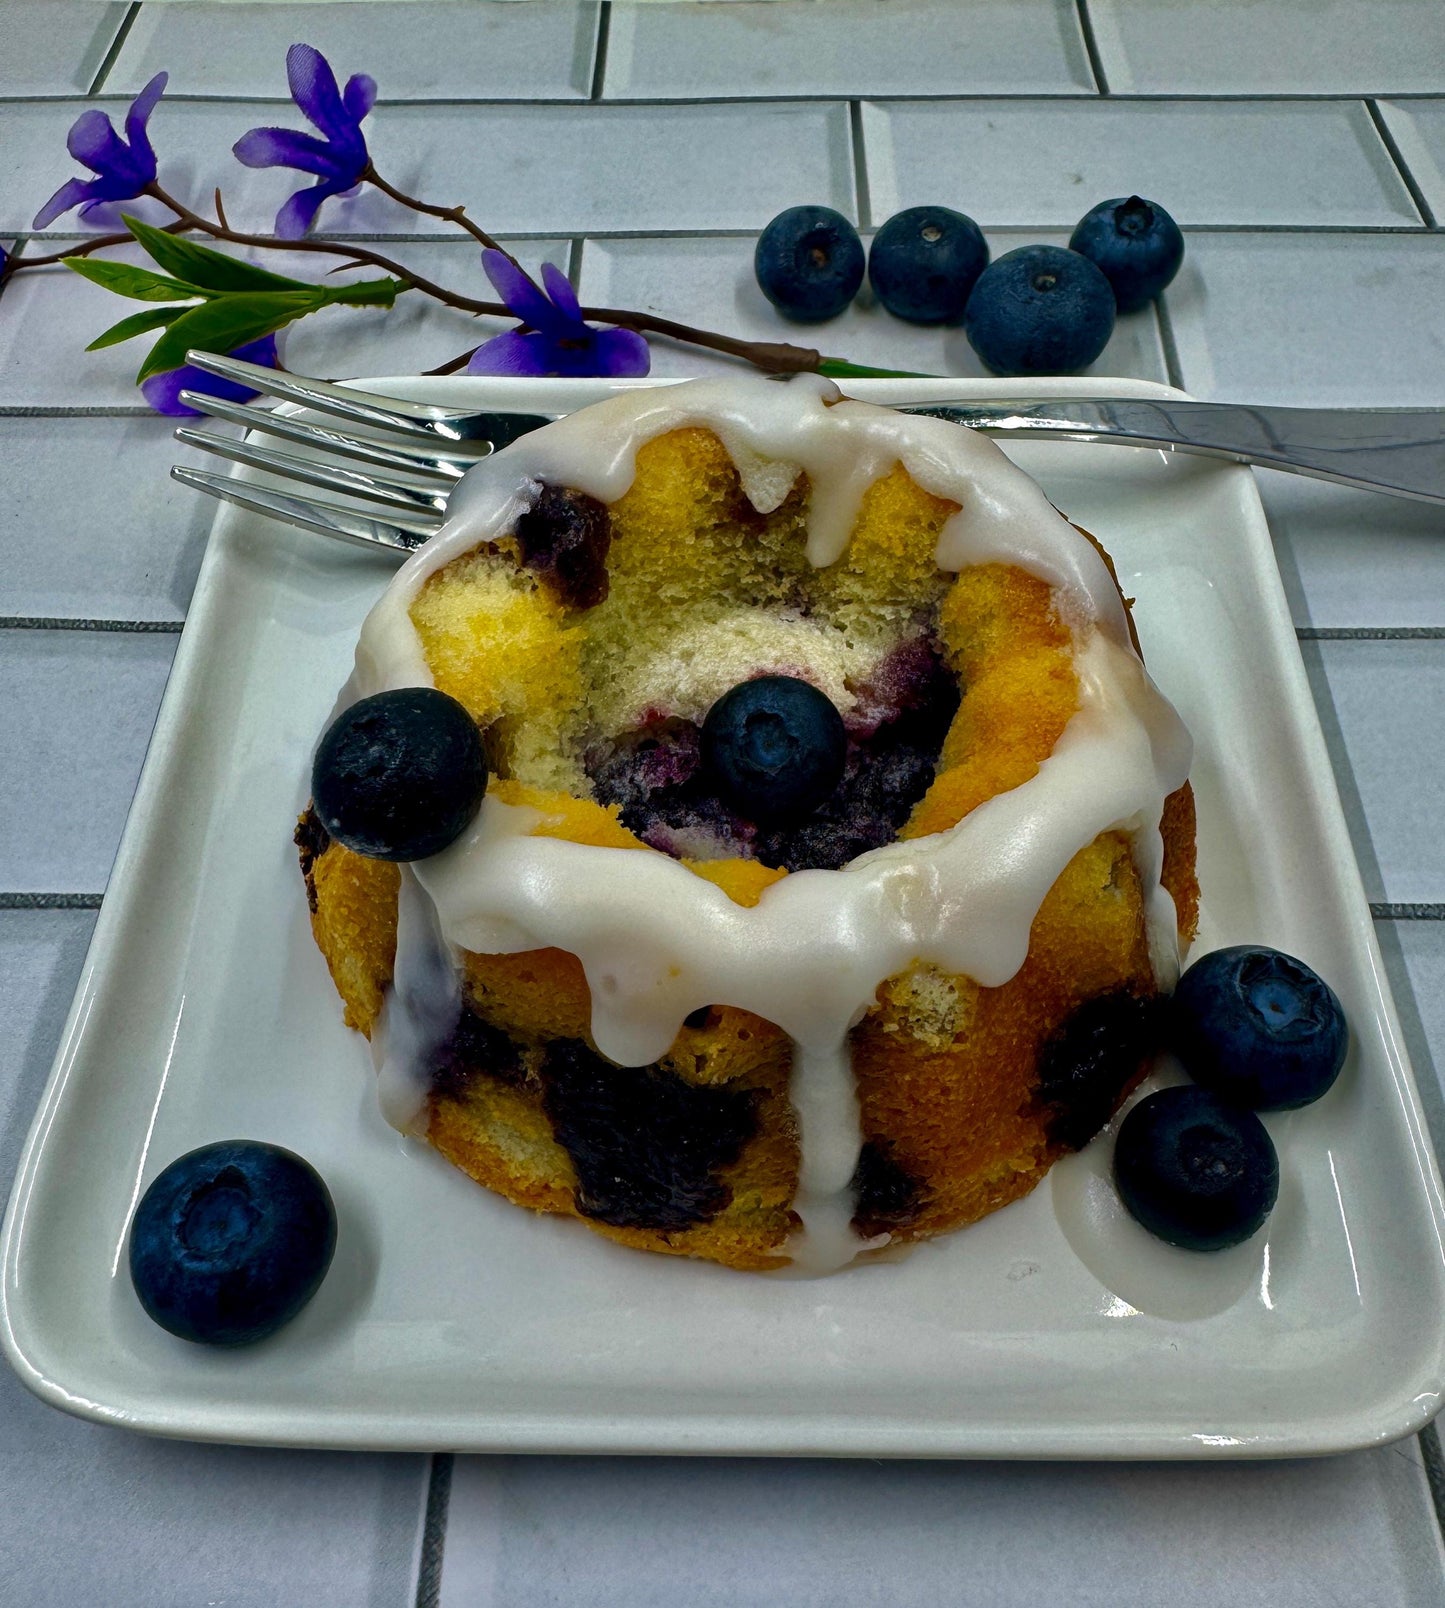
(340, 160)
(163, 391)
(122, 170)
(558, 342)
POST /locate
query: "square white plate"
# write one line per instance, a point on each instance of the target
(452, 1319)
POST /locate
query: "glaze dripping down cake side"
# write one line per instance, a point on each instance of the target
(722, 1031)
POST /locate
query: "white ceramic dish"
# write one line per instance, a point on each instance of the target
(1055, 1328)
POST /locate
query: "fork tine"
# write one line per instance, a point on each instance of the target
(329, 477)
(364, 407)
(444, 468)
(326, 519)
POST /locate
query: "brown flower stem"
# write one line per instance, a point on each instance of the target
(16, 265)
(452, 364)
(373, 259)
(456, 215)
(772, 356)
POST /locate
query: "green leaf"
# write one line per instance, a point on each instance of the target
(136, 324)
(140, 284)
(200, 266)
(226, 323)
(837, 368)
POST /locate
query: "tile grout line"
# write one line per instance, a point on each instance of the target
(50, 901)
(1429, 1439)
(434, 1531)
(1382, 911)
(862, 200)
(836, 97)
(1369, 633)
(599, 52)
(1172, 365)
(122, 33)
(47, 622)
(1387, 139)
(1418, 231)
(1091, 46)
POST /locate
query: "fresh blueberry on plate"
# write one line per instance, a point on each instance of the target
(775, 748)
(924, 262)
(400, 775)
(809, 263)
(1194, 1171)
(1135, 243)
(1259, 1028)
(1040, 310)
(231, 1241)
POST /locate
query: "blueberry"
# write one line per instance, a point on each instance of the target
(400, 775)
(775, 747)
(1197, 1173)
(231, 1241)
(1259, 1028)
(1039, 310)
(809, 263)
(1136, 244)
(924, 262)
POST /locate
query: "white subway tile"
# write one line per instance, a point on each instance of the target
(1283, 47)
(654, 1533)
(1209, 162)
(74, 725)
(425, 51)
(1312, 320)
(1380, 704)
(51, 49)
(847, 47)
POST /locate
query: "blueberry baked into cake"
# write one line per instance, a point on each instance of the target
(750, 828)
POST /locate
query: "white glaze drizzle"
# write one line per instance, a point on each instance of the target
(657, 942)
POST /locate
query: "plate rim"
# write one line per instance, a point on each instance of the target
(742, 1434)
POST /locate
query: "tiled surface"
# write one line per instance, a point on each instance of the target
(1383, 709)
(651, 1534)
(1311, 278)
(427, 51)
(1418, 127)
(1322, 320)
(561, 168)
(710, 283)
(50, 49)
(1326, 535)
(847, 47)
(74, 723)
(1286, 47)
(93, 1515)
(1047, 162)
(77, 543)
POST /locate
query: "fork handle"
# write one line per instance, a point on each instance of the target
(1396, 450)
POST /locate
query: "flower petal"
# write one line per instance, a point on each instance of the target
(286, 147)
(140, 111)
(511, 353)
(70, 194)
(559, 288)
(297, 215)
(313, 88)
(621, 354)
(162, 391)
(519, 293)
(93, 141)
(359, 96)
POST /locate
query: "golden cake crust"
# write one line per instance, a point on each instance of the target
(955, 1118)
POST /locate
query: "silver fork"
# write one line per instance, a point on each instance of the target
(414, 452)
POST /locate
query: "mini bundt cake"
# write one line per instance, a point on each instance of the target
(837, 847)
